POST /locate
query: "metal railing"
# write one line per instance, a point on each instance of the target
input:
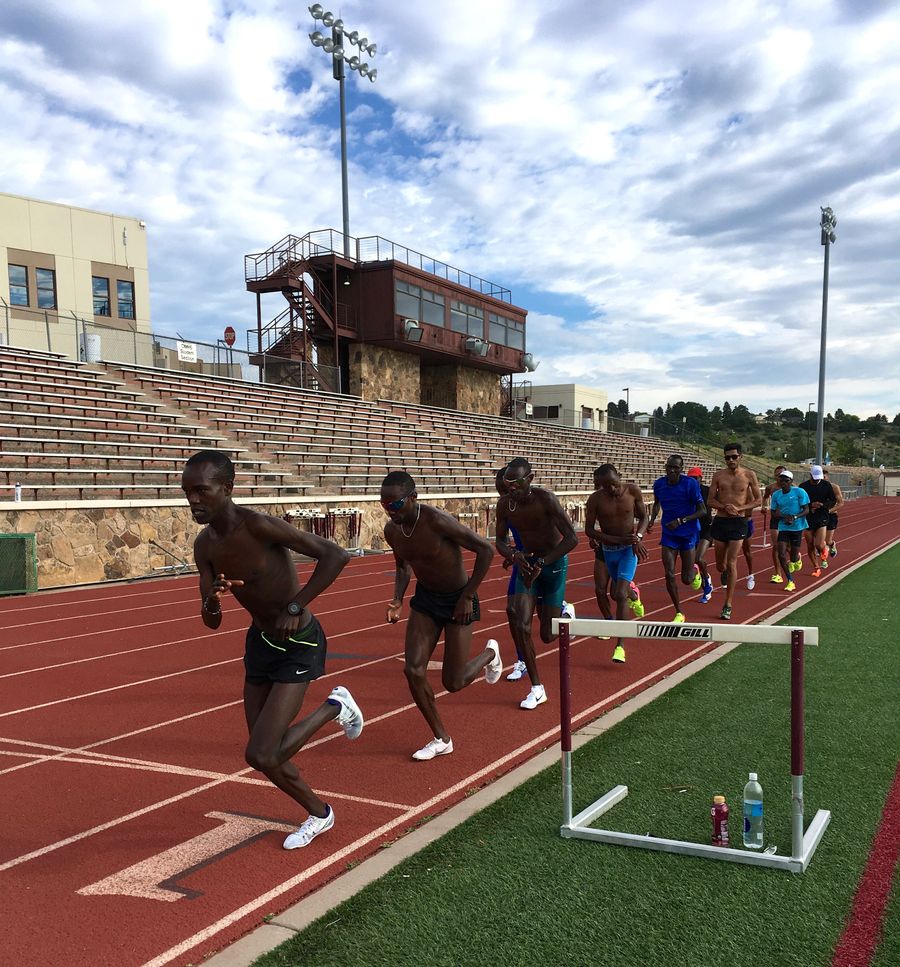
(292, 249)
(86, 340)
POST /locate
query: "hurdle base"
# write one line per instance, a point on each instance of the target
(578, 828)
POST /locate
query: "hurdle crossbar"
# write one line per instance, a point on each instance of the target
(803, 841)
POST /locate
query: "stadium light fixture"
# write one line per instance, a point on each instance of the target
(627, 391)
(827, 225)
(476, 346)
(530, 363)
(335, 45)
(412, 331)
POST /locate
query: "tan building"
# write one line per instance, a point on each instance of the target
(566, 404)
(69, 276)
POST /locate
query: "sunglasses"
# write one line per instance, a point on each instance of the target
(732, 456)
(518, 482)
(392, 506)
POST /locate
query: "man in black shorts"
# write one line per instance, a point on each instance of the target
(822, 499)
(705, 539)
(830, 542)
(733, 493)
(428, 543)
(248, 554)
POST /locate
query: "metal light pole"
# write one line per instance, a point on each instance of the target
(334, 45)
(626, 391)
(808, 427)
(827, 225)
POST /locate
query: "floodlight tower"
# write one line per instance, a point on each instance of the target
(334, 45)
(827, 225)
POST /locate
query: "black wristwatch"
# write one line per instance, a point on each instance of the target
(294, 609)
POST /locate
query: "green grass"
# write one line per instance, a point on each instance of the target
(505, 889)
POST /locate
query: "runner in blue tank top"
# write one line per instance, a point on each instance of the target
(682, 506)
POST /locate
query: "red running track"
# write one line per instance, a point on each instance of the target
(133, 832)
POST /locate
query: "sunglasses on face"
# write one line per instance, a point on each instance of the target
(732, 456)
(518, 482)
(392, 506)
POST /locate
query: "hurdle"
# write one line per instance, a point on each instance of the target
(803, 841)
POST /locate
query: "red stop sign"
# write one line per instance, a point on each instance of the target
(229, 336)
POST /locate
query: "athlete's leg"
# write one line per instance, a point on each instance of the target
(732, 549)
(601, 583)
(459, 670)
(422, 634)
(668, 559)
(520, 610)
(270, 708)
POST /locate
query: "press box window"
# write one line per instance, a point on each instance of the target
(46, 288)
(18, 285)
(125, 299)
(411, 302)
(546, 412)
(505, 332)
(100, 288)
(466, 319)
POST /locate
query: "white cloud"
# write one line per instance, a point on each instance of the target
(645, 177)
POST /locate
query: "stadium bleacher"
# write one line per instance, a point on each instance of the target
(116, 430)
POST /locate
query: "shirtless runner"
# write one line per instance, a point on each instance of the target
(610, 514)
(428, 543)
(733, 492)
(248, 554)
(547, 536)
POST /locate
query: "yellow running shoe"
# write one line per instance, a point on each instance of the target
(790, 586)
(698, 580)
(678, 619)
(619, 655)
(776, 579)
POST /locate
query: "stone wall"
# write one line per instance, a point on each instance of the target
(93, 544)
(380, 373)
(478, 391)
(461, 388)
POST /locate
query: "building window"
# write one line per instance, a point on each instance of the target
(546, 412)
(411, 302)
(466, 319)
(46, 288)
(505, 332)
(18, 285)
(101, 295)
(125, 299)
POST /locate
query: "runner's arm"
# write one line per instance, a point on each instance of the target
(563, 523)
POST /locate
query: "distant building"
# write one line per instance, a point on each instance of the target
(66, 272)
(566, 404)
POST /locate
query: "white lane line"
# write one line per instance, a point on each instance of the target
(388, 827)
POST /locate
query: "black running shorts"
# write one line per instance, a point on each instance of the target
(301, 658)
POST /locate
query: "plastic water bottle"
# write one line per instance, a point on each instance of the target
(18, 492)
(719, 813)
(753, 813)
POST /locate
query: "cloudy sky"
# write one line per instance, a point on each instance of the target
(645, 177)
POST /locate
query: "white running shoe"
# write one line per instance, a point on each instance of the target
(350, 718)
(537, 696)
(494, 668)
(567, 610)
(310, 830)
(434, 748)
(518, 670)
(751, 582)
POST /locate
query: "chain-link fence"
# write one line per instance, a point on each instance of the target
(84, 339)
